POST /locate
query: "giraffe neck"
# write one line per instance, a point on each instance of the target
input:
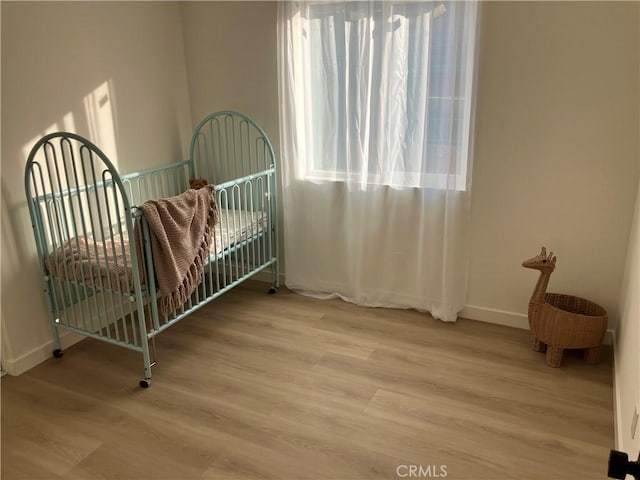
(541, 288)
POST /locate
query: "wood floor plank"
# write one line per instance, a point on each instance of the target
(289, 387)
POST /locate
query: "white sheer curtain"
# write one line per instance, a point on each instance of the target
(376, 102)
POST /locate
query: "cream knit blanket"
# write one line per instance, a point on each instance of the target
(180, 229)
(105, 265)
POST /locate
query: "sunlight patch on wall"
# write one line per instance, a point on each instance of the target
(62, 165)
(99, 110)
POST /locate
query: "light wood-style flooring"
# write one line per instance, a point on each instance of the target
(287, 387)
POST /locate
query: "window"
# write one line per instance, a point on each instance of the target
(382, 91)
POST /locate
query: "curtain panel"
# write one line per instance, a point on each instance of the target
(376, 109)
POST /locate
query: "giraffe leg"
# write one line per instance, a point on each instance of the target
(554, 356)
(539, 346)
(592, 355)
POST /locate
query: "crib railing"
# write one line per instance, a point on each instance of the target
(154, 183)
(243, 241)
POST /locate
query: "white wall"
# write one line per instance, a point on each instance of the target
(556, 159)
(627, 353)
(112, 71)
(231, 59)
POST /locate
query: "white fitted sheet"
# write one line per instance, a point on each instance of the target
(235, 226)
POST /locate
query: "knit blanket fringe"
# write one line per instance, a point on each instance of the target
(192, 279)
(181, 230)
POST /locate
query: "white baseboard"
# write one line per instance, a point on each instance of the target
(26, 361)
(617, 414)
(509, 319)
(498, 317)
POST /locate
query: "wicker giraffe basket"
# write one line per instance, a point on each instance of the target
(566, 321)
(559, 321)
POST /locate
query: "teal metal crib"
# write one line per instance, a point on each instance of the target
(97, 267)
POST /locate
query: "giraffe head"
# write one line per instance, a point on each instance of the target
(542, 262)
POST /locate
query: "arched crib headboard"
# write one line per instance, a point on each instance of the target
(234, 153)
(229, 145)
(75, 192)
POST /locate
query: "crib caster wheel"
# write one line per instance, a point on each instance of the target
(145, 382)
(273, 290)
(58, 353)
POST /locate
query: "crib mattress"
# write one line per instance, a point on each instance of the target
(235, 226)
(107, 265)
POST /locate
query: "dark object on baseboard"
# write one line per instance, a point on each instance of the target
(620, 466)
